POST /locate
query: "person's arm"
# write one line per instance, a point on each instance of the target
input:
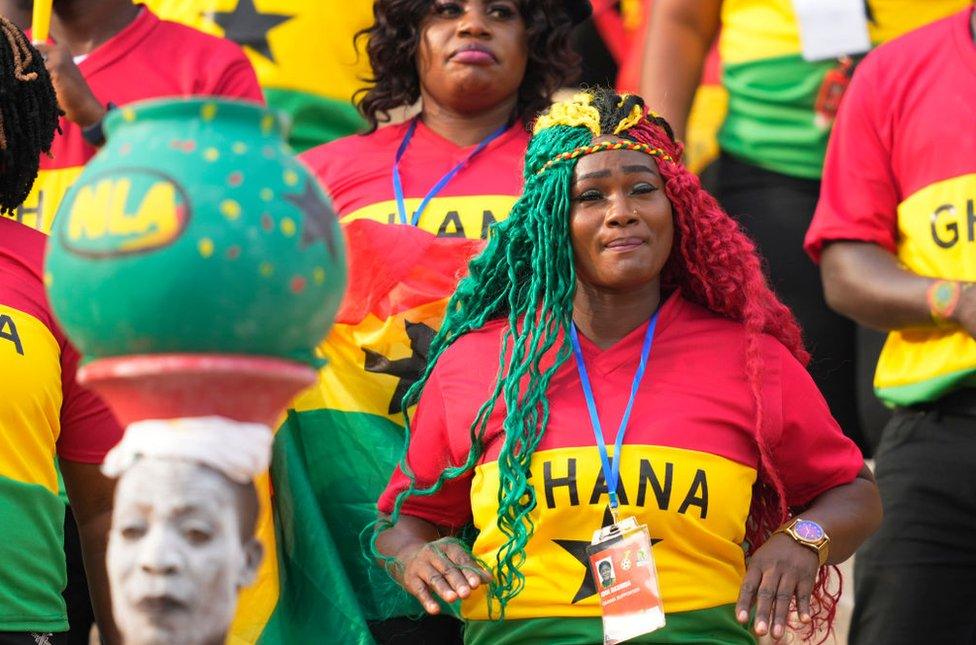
(782, 569)
(428, 564)
(75, 97)
(90, 494)
(679, 36)
(893, 297)
(823, 479)
(88, 432)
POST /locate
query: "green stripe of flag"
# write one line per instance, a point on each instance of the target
(315, 118)
(328, 470)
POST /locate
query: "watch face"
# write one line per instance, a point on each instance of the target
(809, 531)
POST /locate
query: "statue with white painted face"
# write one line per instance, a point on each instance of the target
(183, 543)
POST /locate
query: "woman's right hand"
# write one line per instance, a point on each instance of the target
(441, 567)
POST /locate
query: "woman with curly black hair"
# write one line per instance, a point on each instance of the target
(480, 71)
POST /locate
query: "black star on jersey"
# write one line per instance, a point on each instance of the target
(577, 548)
(408, 370)
(319, 217)
(249, 28)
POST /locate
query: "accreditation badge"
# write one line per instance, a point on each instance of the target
(622, 564)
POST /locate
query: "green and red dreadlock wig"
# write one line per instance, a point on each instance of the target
(526, 275)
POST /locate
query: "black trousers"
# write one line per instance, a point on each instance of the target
(32, 638)
(915, 579)
(426, 630)
(81, 616)
(775, 211)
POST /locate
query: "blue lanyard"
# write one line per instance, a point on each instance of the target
(611, 472)
(443, 181)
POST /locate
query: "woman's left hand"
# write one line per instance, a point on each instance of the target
(778, 571)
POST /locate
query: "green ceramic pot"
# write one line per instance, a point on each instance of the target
(195, 230)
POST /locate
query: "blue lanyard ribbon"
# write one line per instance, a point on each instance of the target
(443, 181)
(611, 471)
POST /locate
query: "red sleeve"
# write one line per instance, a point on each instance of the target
(238, 81)
(88, 428)
(428, 455)
(858, 194)
(812, 455)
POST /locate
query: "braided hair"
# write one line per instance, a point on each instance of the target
(526, 276)
(28, 114)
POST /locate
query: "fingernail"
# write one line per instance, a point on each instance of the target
(805, 618)
(743, 616)
(761, 628)
(472, 581)
(464, 591)
(778, 631)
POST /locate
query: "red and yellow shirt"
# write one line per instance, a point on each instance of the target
(687, 468)
(358, 172)
(901, 173)
(43, 413)
(150, 58)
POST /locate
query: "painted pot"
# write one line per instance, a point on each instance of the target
(195, 230)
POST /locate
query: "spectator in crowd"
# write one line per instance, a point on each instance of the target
(773, 140)
(281, 38)
(613, 260)
(44, 413)
(432, 187)
(107, 53)
(893, 233)
(102, 54)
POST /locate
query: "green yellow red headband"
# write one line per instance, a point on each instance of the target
(605, 145)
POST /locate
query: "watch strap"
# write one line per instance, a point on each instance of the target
(95, 133)
(819, 546)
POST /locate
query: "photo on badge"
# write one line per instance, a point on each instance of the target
(622, 564)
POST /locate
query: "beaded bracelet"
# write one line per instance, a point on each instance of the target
(943, 298)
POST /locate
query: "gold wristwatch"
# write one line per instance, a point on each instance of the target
(809, 534)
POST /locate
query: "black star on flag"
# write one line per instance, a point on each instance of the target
(319, 217)
(408, 370)
(249, 28)
(577, 549)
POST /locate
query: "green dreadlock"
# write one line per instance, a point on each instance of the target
(527, 275)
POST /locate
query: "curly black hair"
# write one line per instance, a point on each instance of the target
(395, 35)
(28, 114)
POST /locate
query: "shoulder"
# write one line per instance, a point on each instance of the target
(693, 320)
(21, 270)
(23, 243)
(333, 160)
(697, 338)
(475, 350)
(190, 41)
(898, 62)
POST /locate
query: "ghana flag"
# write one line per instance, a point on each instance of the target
(302, 51)
(335, 451)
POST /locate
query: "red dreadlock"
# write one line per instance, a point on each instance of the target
(717, 266)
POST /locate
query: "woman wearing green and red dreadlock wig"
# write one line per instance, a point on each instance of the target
(614, 250)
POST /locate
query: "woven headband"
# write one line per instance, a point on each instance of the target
(606, 145)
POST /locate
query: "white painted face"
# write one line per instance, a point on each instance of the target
(175, 557)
